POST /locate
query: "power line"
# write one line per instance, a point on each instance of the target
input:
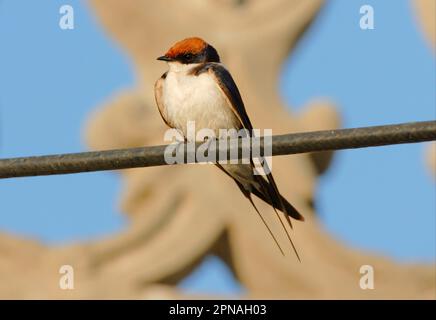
(292, 143)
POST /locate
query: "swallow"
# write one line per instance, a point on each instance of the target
(197, 87)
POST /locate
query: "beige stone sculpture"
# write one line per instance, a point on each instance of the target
(180, 214)
(426, 13)
(431, 158)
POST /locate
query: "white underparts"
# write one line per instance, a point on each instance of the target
(195, 98)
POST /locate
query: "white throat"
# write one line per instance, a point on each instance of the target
(177, 67)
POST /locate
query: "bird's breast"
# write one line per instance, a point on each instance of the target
(199, 99)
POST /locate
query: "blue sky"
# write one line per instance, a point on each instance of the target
(50, 80)
(381, 199)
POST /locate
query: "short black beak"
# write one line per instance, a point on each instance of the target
(164, 58)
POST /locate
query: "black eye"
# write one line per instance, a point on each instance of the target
(188, 56)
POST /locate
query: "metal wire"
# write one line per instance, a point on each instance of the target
(281, 145)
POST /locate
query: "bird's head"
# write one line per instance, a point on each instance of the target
(191, 50)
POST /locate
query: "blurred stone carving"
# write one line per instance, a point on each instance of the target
(180, 214)
(431, 158)
(426, 11)
(426, 14)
